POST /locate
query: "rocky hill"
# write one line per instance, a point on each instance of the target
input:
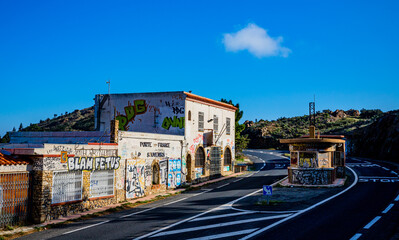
(78, 120)
(370, 133)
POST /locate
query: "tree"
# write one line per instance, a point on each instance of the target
(21, 127)
(13, 129)
(6, 138)
(241, 141)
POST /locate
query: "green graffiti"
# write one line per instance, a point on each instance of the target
(131, 112)
(175, 122)
(140, 106)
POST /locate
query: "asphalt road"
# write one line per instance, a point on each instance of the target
(368, 210)
(176, 213)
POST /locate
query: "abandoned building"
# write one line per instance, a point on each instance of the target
(144, 143)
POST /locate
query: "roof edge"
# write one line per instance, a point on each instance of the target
(191, 96)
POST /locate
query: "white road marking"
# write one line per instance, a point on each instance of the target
(135, 213)
(218, 225)
(223, 235)
(375, 177)
(182, 221)
(220, 216)
(388, 208)
(372, 222)
(238, 180)
(224, 185)
(397, 198)
(174, 201)
(303, 211)
(207, 190)
(393, 172)
(85, 227)
(356, 236)
(385, 168)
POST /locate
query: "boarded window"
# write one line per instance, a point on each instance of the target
(189, 115)
(67, 186)
(215, 123)
(102, 183)
(155, 174)
(307, 160)
(228, 126)
(200, 157)
(200, 121)
(294, 159)
(227, 157)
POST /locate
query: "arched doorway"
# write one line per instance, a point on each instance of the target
(188, 161)
(200, 159)
(227, 158)
(155, 174)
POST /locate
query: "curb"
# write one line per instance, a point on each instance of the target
(24, 229)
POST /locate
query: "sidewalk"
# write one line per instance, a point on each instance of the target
(32, 228)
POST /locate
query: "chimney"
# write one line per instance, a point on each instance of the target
(114, 130)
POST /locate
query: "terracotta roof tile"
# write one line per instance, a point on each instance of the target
(8, 160)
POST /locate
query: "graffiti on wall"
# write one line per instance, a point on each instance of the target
(174, 176)
(198, 172)
(173, 122)
(199, 139)
(93, 163)
(163, 167)
(131, 111)
(135, 180)
(311, 177)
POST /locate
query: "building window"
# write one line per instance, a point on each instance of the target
(215, 123)
(67, 186)
(307, 160)
(227, 157)
(228, 126)
(189, 115)
(102, 183)
(200, 121)
(200, 157)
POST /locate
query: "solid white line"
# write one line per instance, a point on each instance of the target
(372, 222)
(356, 236)
(388, 208)
(223, 235)
(220, 216)
(85, 227)
(397, 198)
(303, 211)
(128, 215)
(375, 177)
(218, 225)
(393, 172)
(174, 201)
(224, 185)
(386, 168)
(182, 221)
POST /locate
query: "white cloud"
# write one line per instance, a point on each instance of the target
(256, 40)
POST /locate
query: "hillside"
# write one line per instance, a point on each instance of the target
(370, 133)
(78, 120)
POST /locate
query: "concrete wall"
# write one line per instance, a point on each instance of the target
(142, 112)
(196, 138)
(311, 176)
(140, 152)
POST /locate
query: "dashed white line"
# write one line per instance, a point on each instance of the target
(135, 213)
(207, 190)
(86, 227)
(238, 180)
(220, 216)
(397, 198)
(218, 225)
(370, 224)
(388, 208)
(175, 201)
(386, 168)
(224, 185)
(356, 236)
(223, 235)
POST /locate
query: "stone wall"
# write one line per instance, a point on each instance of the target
(311, 176)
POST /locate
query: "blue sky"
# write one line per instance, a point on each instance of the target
(270, 56)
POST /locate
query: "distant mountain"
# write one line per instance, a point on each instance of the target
(369, 133)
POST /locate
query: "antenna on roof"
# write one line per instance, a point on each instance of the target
(109, 86)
